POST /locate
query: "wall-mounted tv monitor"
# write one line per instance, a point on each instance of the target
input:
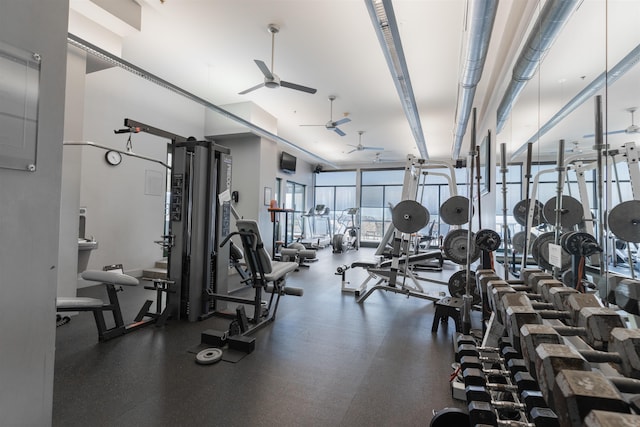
(287, 163)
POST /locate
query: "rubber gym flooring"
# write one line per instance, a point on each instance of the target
(325, 361)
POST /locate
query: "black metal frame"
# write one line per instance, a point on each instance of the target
(259, 283)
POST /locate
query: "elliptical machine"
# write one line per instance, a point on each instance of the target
(347, 239)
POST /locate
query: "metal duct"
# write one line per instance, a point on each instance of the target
(481, 18)
(552, 19)
(606, 78)
(384, 22)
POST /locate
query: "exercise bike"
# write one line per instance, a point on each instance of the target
(347, 239)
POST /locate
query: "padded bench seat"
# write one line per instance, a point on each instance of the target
(279, 269)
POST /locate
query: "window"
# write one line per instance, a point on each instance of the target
(337, 191)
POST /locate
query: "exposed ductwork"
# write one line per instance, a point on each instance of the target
(546, 29)
(606, 78)
(385, 25)
(482, 15)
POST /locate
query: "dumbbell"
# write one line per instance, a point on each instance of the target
(483, 409)
(553, 359)
(594, 323)
(541, 300)
(623, 351)
(598, 418)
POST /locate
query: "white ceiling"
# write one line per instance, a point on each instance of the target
(207, 47)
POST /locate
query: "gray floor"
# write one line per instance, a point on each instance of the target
(326, 361)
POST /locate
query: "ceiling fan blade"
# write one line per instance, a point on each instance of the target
(342, 121)
(265, 70)
(298, 87)
(339, 132)
(351, 145)
(312, 125)
(258, 86)
(349, 152)
(373, 148)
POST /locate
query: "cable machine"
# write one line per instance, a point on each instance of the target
(200, 171)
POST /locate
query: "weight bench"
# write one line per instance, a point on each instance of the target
(297, 252)
(111, 279)
(267, 276)
(383, 272)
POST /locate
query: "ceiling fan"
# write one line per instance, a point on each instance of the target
(361, 147)
(377, 159)
(271, 80)
(632, 128)
(331, 125)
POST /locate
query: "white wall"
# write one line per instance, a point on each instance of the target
(125, 209)
(29, 224)
(71, 174)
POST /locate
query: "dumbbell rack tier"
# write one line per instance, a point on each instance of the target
(494, 373)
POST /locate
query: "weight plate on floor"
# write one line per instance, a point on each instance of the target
(455, 210)
(571, 211)
(458, 285)
(208, 356)
(488, 240)
(540, 252)
(624, 221)
(521, 210)
(409, 216)
(455, 245)
(579, 243)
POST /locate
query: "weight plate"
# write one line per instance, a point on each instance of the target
(563, 238)
(409, 216)
(624, 221)
(571, 211)
(208, 356)
(521, 210)
(458, 285)
(455, 246)
(488, 240)
(518, 241)
(580, 243)
(540, 252)
(455, 210)
(449, 417)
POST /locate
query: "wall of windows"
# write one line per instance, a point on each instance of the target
(337, 191)
(294, 198)
(377, 191)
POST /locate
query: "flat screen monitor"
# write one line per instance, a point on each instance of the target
(287, 163)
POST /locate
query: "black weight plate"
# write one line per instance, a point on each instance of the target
(571, 213)
(521, 210)
(455, 246)
(488, 240)
(540, 252)
(455, 210)
(409, 216)
(450, 417)
(458, 285)
(624, 221)
(580, 243)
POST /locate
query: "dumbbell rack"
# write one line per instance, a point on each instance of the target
(503, 387)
